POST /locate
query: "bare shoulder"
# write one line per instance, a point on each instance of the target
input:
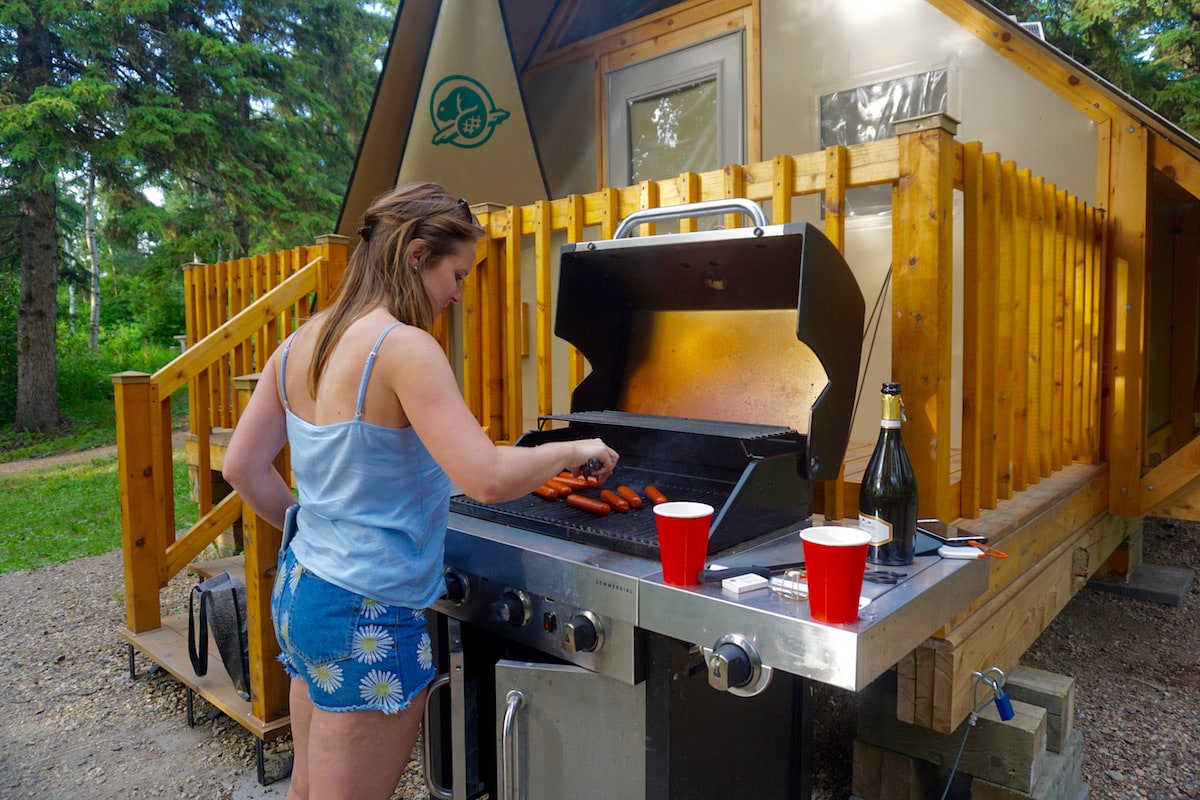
(410, 354)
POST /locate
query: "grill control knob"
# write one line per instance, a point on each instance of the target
(458, 587)
(728, 667)
(584, 633)
(513, 607)
(735, 666)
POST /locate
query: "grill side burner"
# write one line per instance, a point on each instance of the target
(753, 475)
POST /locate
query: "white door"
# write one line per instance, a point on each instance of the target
(683, 111)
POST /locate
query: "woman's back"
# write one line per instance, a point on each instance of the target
(373, 502)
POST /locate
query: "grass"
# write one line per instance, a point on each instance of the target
(67, 512)
(92, 426)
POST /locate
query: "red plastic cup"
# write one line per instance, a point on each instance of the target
(682, 539)
(835, 558)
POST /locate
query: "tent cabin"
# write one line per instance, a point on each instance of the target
(1027, 232)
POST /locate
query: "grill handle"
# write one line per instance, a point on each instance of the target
(510, 748)
(702, 209)
(442, 793)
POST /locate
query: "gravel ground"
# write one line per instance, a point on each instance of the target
(74, 725)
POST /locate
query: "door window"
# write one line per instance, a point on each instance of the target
(683, 111)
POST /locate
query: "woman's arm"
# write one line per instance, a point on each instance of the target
(425, 384)
(260, 434)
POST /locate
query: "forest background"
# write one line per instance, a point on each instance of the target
(140, 135)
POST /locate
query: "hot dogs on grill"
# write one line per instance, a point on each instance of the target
(630, 496)
(597, 507)
(546, 492)
(613, 500)
(562, 487)
(655, 495)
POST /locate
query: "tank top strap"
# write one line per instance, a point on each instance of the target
(362, 387)
(287, 345)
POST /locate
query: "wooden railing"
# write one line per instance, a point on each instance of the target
(247, 307)
(1033, 282)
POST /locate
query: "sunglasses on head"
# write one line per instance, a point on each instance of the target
(460, 205)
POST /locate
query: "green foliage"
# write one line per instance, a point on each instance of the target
(244, 116)
(1151, 50)
(68, 512)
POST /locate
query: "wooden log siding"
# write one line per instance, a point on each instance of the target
(1033, 258)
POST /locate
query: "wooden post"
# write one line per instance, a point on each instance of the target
(837, 166)
(269, 683)
(544, 317)
(922, 302)
(512, 336)
(191, 328)
(1129, 214)
(336, 250)
(974, 297)
(576, 213)
(141, 535)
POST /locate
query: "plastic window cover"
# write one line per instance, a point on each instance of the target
(866, 113)
(674, 131)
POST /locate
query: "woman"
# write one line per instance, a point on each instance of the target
(378, 432)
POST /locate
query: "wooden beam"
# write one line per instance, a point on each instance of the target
(1176, 164)
(1129, 214)
(1178, 474)
(1062, 76)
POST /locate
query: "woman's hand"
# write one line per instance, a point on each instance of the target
(596, 459)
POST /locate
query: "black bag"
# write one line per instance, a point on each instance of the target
(222, 601)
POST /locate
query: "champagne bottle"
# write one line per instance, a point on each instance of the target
(887, 502)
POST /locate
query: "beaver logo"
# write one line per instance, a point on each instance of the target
(463, 112)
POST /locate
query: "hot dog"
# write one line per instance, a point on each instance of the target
(570, 480)
(613, 500)
(630, 496)
(562, 487)
(546, 492)
(655, 495)
(597, 507)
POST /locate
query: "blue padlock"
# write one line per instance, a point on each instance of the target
(1003, 705)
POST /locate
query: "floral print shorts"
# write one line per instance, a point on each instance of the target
(354, 653)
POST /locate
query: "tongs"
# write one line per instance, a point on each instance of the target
(718, 575)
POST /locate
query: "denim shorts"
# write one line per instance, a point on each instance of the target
(354, 653)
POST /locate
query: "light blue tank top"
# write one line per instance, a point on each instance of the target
(373, 504)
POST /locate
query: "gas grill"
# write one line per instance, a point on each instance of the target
(724, 368)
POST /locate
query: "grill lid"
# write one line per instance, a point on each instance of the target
(759, 325)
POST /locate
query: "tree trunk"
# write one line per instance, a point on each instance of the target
(37, 232)
(37, 310)
(93, 259)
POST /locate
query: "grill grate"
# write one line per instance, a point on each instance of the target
(632, 532)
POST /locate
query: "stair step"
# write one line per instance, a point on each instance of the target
(168, 647)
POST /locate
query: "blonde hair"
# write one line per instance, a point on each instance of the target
(377, 270)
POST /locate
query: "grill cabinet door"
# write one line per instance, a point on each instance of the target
(570, 733)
